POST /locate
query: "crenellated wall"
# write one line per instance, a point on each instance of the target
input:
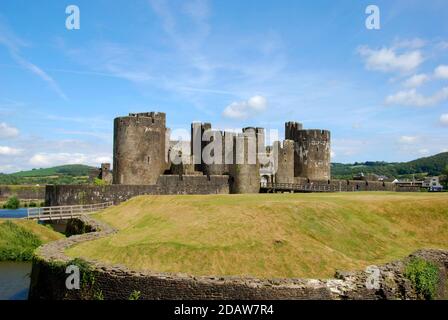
(59, 195)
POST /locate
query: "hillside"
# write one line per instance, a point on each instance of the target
(269, 235)
(19, 238)
(432, 166)
(66, 174)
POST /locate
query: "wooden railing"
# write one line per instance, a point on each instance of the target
(303, 187)
(65, 212)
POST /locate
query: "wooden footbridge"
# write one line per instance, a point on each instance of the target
(269, 187)
(65, 212)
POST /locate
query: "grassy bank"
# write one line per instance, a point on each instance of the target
(19, 239)
(270, 235)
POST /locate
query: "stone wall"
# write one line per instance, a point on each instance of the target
(347, 185)
(58, 195)
(117, 282)
(22, 192)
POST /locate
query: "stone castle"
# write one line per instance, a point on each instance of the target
(143, 153)
(146, 162)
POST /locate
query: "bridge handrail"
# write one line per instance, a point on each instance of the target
(65, 211)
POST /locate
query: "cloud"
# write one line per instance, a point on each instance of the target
(13, 44)
(444, 119)
(408, 139)
(415, 99)
(416, 80)
(245, 109)
(8, 151)
(415, 43)
(53, 159)
(441, 72)
(7, 131)
(423, 151)
(387, 60)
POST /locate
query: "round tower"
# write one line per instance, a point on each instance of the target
(245, 170)
(312, 154)
(139, 148)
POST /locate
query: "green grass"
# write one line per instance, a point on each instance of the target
(424, 275)
(19, 239)
(269, 235)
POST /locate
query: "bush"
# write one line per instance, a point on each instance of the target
(12, 203)
(424, 275)
(99, 182)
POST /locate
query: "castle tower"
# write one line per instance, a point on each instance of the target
(284, 161)
(105, 173)
(197, 145)
(139, 148)
(312, 154)
(291, 129)
(245, 170)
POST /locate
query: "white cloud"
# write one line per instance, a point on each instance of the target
(245, 109)
(413, 98)
(444, 119)
(423, 151)
(416, 81)
(53, 159)
(441, 72)
(7, 131)
(387, 60)
(8, 151)
(415, 43)
(408, 139)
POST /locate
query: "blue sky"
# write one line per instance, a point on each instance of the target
(383, 93)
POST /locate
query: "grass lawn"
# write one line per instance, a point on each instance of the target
(269, 235)
(19, 239)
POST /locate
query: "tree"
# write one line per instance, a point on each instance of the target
(12, 203)
(444, 177)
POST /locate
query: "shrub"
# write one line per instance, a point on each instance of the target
(424, 275)
(99, 182)
(12, 203)
(135, 295)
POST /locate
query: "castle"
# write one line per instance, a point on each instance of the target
(146, 162)
(143, 153)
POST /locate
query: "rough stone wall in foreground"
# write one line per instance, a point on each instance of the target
(117, 282)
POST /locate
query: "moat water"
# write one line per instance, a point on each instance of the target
(14, 280)
(13, 214)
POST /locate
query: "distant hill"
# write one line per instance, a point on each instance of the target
(66, 174)
(73, 170)
(428, 166)
(79, 174)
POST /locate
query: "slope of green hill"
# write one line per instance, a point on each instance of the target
(68, 170)
(269, 235)
(432, 166)
(66, 174)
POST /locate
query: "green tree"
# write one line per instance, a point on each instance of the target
(12, 203)
(444, 177)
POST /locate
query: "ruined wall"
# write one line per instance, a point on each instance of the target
(285, 161)
(139, 148)
(117, 282)
(22, 192)
(167, 184)
(312, 154)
